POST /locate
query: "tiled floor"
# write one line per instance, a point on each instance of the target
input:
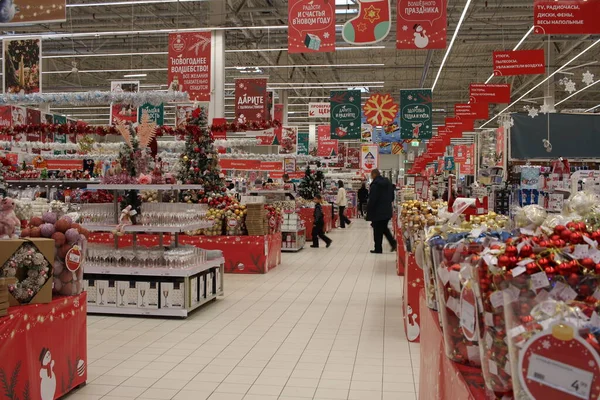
(324, 325)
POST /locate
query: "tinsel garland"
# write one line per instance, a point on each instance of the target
(268, 157)
(236, 142)
(28, 146)
(29, 258)
(95, 98)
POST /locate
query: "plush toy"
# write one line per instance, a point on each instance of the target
(8, 219)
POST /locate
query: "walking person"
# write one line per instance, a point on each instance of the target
(379, 210)
(319, 224)
(342, 202)
(363, 196)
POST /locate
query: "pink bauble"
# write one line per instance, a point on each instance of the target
(47, 230)
(49, 217)
(67, 289)
(58, 267)
(72, 235)
(66, 276)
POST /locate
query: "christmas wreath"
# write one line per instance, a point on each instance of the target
(26, 262)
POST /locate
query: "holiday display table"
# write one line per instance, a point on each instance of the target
(43, 348)
(401, 247)
(243, 254)
(439, 377)
(413, 283)
(307, 216)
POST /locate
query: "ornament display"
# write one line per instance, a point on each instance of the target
(380, 109)
(31, 270)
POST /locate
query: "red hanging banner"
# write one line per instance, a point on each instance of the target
(311, 26)
(519, 62)
(421, 24)
(489, 93)
(353, 158)
(566, 17)
(189, 64)
(250, 100)
(326, 147)
(472, 111)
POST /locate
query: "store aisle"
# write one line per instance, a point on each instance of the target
(324, 325)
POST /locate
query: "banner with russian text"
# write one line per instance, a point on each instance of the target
(289, 139)
(353, 158)
(319, 110)
(156, 113)
(326, 147)
(489, 93)
(311, 26)
(302, 146)
(421, 24)
(416, 114)
(250, 100)
(472, 110)
(345, 115)
(519, 62)
(189, 64)
(566, 17)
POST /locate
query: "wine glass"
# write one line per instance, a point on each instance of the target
(122, 293)
(142, 293)
(101, 291)
(166, 295)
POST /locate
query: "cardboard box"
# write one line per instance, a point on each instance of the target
(46, 247)
(147, 295)
(127, 294)
(89, 285)
(107, 293)
(194, 290)
(172, 295)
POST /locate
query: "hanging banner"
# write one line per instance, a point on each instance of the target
(289, 165)
(472, 110)
(250, 100)
(353, 158)
(302, 145)
(189, 64)
(415, 114)
(366, 133)
(319, 110)
(371, 25)
(342, 151)
(34, 117)
(345, 115)
(369, 157)
(326, 147)
(156, 113)
(5, 116)
(421, 24)
(271, 166)
(278, 112)
(60, 119)
(566, 17)
(22, 64)
(311, 26)
(519, 62)
(289, 139)
(27, 12)
(489, 93)
(448, 163)
(123, 112)
(380, 109)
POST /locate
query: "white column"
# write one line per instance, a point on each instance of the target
(217, 81)
(283, 99)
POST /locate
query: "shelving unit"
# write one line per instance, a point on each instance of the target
(298, 237)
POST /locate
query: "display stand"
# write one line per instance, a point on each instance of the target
(306, 214)
(413, 283)
(43, 348)
(243, 254)
(401, 246)
(293, 233)
(439, 377)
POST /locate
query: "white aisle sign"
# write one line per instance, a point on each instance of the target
(319, 110)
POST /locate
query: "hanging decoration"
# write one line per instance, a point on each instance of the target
(547, 108)
(124, 130)
(371, 25)
(568, 84)
(531, 111)
(95, 98)
(506, 121)
(146, 131)
(588, 78)
(380, 109)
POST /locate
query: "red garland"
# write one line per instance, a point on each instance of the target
(253, 126)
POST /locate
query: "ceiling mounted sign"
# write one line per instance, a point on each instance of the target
(311, 26)
(519, 62)
(415, 114)
(572, 17)
(250, 100)
(380, 109)
(190, 64)
(345, 115)
(371, 25)
(489, 93)
(472, 110)
(20, 12)
(319, 110)
(421, 24)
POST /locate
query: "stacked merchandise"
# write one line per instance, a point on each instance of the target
(256, 220)
(293, 232)
(3, 296)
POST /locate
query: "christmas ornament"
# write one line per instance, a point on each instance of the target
(588, 78)
(547, 108)
(568, 84)
(380, 109)
(95, 98)
(28, 258)
(531, 111)
(371, 25)
(146, 130)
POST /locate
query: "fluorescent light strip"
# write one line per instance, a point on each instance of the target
(460, 21)
(319, 87)
(577, 92)
(135, 75)
(541, 83)
(96, 71)
(359, 84)
(592, 109)
(515, 48)
(129, 2)
(307, 66)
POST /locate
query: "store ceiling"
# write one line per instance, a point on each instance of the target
(489, 25)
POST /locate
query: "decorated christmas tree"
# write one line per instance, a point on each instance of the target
(199, 162)
(310, 184)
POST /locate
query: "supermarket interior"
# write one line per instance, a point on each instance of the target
(300, 200)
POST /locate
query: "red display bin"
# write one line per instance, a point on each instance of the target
(307, 217)
(43, 349)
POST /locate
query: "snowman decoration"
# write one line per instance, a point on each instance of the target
(48, 379)
(413, 330)
(421, 38)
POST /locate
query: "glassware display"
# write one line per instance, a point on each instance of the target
(103, 256)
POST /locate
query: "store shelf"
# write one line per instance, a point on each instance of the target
(293, 231)
(47, 182)
(148, 229)
(270, 192)
(144, 187)
(138, 271)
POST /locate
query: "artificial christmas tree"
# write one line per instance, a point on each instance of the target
(310, 184)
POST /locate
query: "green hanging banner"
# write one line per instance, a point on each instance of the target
(60, 119)
(345, 115)
(302, 147)
(156, 113)
(416, 118)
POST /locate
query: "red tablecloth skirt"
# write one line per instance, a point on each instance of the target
(307, 217)
(413, 283)
(43, 349)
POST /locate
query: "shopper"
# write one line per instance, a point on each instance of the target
(319, 224)
(342, 202)
(363, 196)
(379, 210)
(287, 180)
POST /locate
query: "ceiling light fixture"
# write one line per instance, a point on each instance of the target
(135, 75)
(309, 66)
(130, 2)
(515, 48)
(319, 83)
(96, 71)
(542, 82)
(460, 21)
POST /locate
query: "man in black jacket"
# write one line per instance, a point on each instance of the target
(379, 210)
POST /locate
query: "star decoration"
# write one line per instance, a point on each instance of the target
(508, 123)
(546, 108)
(568, 84)
(362, 27)
(405, 28)
(326, 35)
(351, 98)
(532, 111)
(372, 14)
(546, 344)
(588, 78)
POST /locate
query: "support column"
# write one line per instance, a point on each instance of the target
(217, 81)
(283, 98)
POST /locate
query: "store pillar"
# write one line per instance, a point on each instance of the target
(283, 99)
(217, 100)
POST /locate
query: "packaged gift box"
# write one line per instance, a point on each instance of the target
(312, 42)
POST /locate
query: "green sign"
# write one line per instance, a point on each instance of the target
(415, 143)
(302, 147)
(156, 113)
(60, 119)
(345, 115)
(416, 120)
(448, 163)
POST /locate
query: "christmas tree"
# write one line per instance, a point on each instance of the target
(199, 162)
(310, 184)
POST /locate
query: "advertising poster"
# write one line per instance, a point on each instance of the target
(19, 115)
(385, 147)
(415, 114)
(530, 177)
(448, 163)
(184, 112)
(311, 26)
(342, 151)
(289, 138)
(519, 62)
(156, 113)
(5, 116)
(489, 93)
(387, 133)
(289, 165)
(421, 26)
(250, 100)
(380, 109)
(189, 64)
(566, 17)
(345, 115)
(22, 65)
(353, 158)
(302, 146)
(366, 133)
(19, 12)
(326, 147)
(319, 110)
(371, 25)
(60, 119)
(369, 157)
(34, 117)
(397, 148)
(472, 110)
(123, 112)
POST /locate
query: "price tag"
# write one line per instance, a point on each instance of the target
(73, 258)
(542, 296)
(467, 316)
(497, 299)
(488, 340)
(591, 242)
(513, 293)
(558, 287)
(595, 320)
(517, 330)
(539, 280)
(493, 367)
(455, 280)
(518, 271)
(581, 251)
(453, 305)
(473, 354)
(560, 376)
(568, 294)
(443, 274)
(488, 319)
